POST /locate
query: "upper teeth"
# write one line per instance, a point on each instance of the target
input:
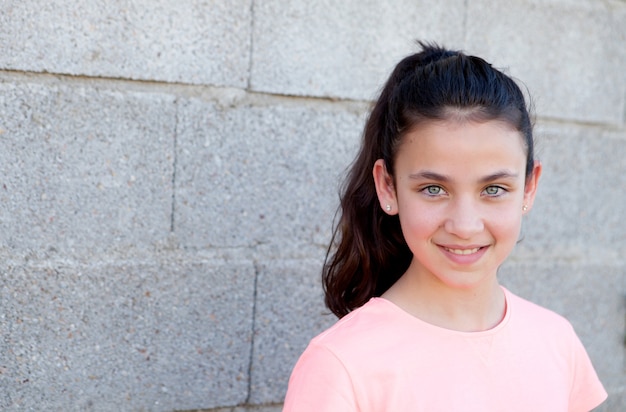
(463, 251)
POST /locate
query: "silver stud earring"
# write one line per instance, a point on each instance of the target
(388, 208)
(524, 208)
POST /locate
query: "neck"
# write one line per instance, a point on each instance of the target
(467, 309)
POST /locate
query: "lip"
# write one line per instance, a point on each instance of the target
(463, 255)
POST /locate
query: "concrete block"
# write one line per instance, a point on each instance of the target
(290, 311)
(83, 169)
(269, 408)
(198, 42)
(260, 408)
(569, 54)
(603, 207)
(263, 173)
(615, 402)
(591, 296)
(249, 408)
(167, 335)
(343, 49)
(552, 226)
(582, 192)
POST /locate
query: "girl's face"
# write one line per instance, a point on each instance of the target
(459, 190)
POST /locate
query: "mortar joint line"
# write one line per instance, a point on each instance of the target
(253, 332)
(174, 165)
(251, 42)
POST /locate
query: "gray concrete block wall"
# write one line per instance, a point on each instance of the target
(126, 336)
(199, 42)
(574, 72)
(342, 49)
(84, 169)
(169, 175)
(263, 163)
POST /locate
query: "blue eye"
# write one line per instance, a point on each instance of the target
(433, 190)
(493, 190)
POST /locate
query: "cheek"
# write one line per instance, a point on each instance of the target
(419, 222)
(506, 223)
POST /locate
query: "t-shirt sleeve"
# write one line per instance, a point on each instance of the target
(319, 383)
(587, 391)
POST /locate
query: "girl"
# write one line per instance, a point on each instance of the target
(431, 208)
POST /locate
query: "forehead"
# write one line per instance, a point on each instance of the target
(452, 143)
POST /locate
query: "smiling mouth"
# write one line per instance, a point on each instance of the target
(463, 251)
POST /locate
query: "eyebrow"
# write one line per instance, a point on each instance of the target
(429, 175)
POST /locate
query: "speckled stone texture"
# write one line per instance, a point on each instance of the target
(166, 335)
(84, 169)
(344, 49)
(197, 42)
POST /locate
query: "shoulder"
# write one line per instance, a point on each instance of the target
(368, 331)
(536, 316)
(371, 319)
(561, 345)
(537, 326)
(323, 376)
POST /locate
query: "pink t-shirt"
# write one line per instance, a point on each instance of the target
(380, 358)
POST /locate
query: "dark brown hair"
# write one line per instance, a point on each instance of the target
(368, 252)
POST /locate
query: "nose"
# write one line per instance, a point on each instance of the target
(464, 219)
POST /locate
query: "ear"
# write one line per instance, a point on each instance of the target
(530, 190)
(384, 188)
